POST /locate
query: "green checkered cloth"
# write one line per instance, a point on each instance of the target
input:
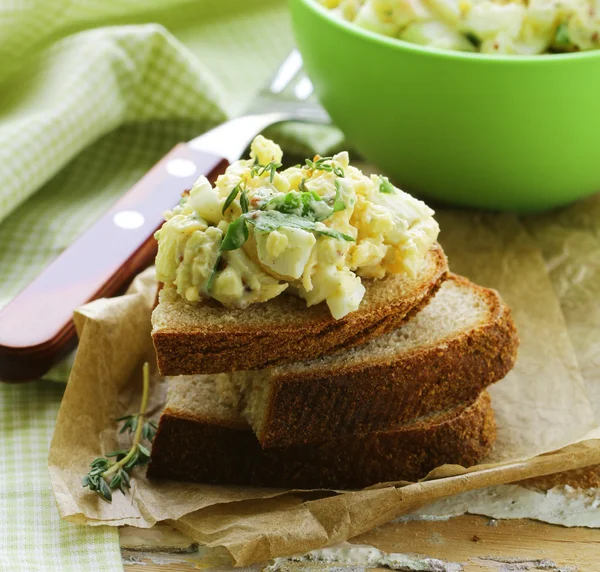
(32, 536)
(92, 94)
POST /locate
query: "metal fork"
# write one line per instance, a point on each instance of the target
(271, 105)
(36, 328)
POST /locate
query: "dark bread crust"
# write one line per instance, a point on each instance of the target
(210, 349)
(195, 449)
(359, 399)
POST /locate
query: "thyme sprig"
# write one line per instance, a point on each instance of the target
(107, 475)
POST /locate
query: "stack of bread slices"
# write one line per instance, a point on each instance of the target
(281, 395)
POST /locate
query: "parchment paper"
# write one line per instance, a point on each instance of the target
(570, 243)
(541, 406)
(105, 384)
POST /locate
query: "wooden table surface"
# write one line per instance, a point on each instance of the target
(476, 543)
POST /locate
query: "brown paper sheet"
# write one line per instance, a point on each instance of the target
(570, 243)
(105, 384)
(541, 406)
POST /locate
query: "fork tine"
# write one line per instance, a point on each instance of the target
(287, 71)
(303, 88)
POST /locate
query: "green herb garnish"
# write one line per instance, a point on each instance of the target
(324, 164)
(231, 197)
(295, 209)
(561, 36)
(271, 168)
(244, 204)
(106, 475)
(306, 204)
(474, 39)
(236, 235)
(338, 204)
(213, 273)
(386, 187)
(268, 221)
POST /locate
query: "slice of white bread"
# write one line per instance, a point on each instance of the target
(201, 437)
(460, 343)
(205, 337)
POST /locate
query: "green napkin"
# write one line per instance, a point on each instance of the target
(92, 94)
(32, 536)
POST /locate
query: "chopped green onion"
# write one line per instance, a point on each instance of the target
(236, 235)
(561, 37)
(474, 39)
(386, 187)
(338, 204)
(231, 197)
(244, 204)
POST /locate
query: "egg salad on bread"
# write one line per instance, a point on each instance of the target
(315, 230)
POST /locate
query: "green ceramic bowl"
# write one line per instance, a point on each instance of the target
(494, 132)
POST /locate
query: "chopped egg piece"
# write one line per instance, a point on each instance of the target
(285, 251)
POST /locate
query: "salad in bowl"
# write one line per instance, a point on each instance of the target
(520, 27)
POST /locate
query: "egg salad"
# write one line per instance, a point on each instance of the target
(315, 230)
(520, 27)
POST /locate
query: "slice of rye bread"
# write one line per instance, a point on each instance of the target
(201, 437)
(206, 337)
(460, 343)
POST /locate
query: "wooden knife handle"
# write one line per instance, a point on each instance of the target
(36, 327)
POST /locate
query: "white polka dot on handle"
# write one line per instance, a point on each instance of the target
(129, 220)
(181, 167)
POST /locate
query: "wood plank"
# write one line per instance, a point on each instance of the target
(161, 537)
(477, 543)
